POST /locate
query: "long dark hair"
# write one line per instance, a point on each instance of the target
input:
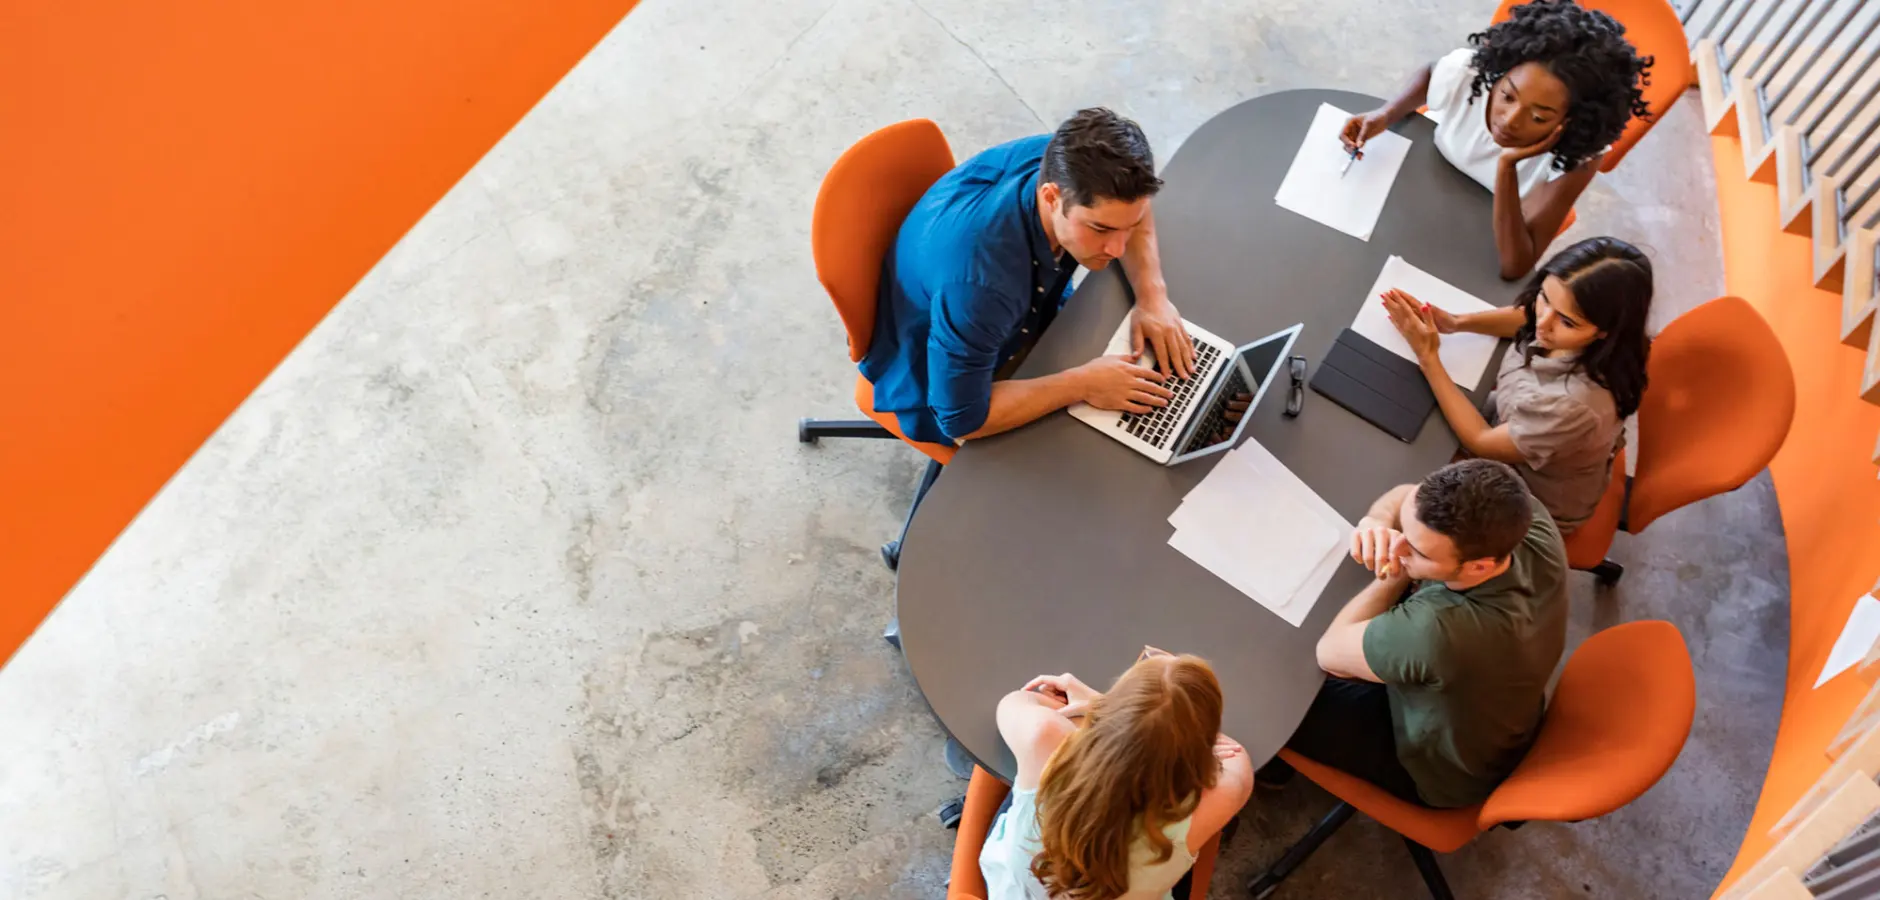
(1611, 282)
(1584, 48)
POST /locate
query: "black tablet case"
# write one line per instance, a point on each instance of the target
(1381, 387)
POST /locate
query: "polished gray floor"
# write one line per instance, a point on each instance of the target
(512, 581)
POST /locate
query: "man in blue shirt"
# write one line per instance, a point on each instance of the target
(982, 264)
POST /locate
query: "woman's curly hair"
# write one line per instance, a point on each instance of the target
(1584, 48)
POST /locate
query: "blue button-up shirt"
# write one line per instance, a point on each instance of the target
(970, 282)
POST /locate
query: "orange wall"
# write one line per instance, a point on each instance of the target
(186, 187)
(1824, 478)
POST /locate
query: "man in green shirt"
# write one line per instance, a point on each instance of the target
(1440, 668)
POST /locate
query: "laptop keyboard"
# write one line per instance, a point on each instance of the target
(1157, 426)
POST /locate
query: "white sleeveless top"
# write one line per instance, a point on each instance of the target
(1462, 127)
(1014, 842)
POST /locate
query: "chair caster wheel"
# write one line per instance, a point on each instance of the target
(1608, 573)
(951, 812)
(891, 555)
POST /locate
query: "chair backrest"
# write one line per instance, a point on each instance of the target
(1617, 722)
(984, 793)
(1716, 409)
(1653, 28)
(859, 210)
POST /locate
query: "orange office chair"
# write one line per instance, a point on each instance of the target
(1653, 28)
(1717, 406)
(1618, 720)
(858, 211)
(984, 794)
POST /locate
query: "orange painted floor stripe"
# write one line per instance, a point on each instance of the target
(188, 188)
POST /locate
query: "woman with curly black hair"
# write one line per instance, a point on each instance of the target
(1576, 371)
(1561, 84)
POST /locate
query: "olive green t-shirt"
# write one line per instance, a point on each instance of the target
(1467, 671)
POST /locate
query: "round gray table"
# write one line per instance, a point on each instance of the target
(1045, 549)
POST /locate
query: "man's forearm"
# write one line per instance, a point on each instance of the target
(1017, 402)
(1340, 649)
(1142, 262)
(1385, 509)
(1376, 598)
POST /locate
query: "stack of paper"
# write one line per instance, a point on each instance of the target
(1327, 186)
(1465, 356)
(1256, 526)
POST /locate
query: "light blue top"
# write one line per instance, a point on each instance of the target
(1014, 842)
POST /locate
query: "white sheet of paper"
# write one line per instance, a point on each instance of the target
(1313, 590)
(1266, 529)
(1857, 637)
(1350, 202)
(1309, 593)
(1465, 356)
(1220, 562)
(1255, 525)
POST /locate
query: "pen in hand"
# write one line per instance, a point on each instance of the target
(1347, 167)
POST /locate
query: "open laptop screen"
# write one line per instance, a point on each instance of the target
(1251, 371)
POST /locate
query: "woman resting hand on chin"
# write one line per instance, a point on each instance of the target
(1528, 111)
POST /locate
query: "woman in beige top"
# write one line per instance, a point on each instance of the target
(1575, 372)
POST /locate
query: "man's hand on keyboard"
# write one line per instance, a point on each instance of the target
(1154, 325)
(1117, 382)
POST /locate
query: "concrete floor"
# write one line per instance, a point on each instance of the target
(512, 581)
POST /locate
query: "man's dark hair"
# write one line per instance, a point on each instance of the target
(1099, 155)
(1584, 48)
(1479, 504)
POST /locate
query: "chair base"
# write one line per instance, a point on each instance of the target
(1607, 572)
(891, 551)
(809, 431)
(1431, 872)
(951, 812)
(1263, 885)
(959, 762)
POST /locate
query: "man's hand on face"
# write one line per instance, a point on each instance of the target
(1378, 547)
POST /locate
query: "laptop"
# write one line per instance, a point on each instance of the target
(1192, 424)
